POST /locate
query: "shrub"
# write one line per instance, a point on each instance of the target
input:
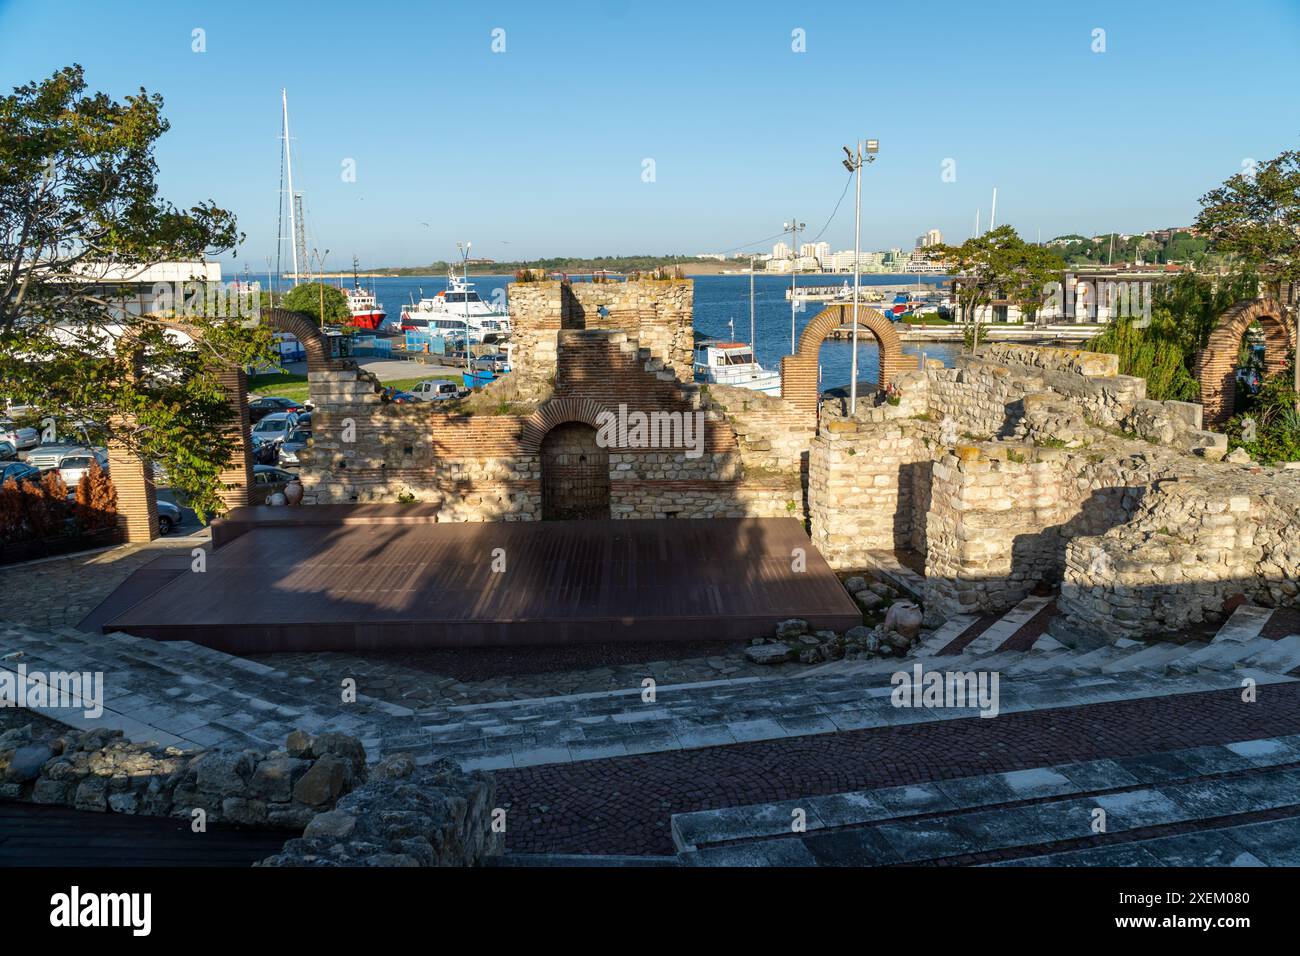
(96, 506)
(1273, 420)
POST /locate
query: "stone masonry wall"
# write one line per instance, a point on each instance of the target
(1201, 538)
(657, 312)
(477, 465)
(1070, 492)
(868, 484)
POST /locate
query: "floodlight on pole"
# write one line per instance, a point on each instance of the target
(854, 164)
(793, 227)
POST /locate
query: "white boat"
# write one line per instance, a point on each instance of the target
(457, 311)
(732, 363)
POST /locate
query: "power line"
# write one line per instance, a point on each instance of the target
(834, 213)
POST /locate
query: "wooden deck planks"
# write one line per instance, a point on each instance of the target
(352, 584)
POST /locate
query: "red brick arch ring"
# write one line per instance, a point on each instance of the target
(1216, 364)
(305, 331)
(554, 412)
(799, 371)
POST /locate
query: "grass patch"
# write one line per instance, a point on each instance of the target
(291, 386)
(280, 384)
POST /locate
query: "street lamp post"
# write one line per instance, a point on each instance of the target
(854, 165)
(320, 280)
(464, 247)
(793, 227)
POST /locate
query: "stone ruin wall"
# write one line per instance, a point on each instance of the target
(480, 467)
(1063, 473)
(658, 313)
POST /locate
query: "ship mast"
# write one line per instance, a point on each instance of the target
(288, 165)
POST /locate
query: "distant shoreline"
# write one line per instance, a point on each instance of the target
(686, 273)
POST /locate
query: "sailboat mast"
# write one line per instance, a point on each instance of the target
(288, 165)
(751, 306)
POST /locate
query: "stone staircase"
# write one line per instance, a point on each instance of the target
(184, 694)
(688, 392)
(1201, 789)
(181, 694)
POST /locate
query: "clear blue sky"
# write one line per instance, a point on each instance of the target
(538, 150)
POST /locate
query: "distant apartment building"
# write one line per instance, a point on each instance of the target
(867, 261)
(715, 256)
(821, 251)
(782, 250)
(932, 238)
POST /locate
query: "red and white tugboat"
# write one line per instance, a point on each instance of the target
(367, 313)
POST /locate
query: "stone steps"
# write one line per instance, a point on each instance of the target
(950, 630)
(1270, 843)
(1244, 624)
(562, 730)
(186, 695)
(1007, 625)
(956, 817)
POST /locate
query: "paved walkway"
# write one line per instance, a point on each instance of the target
(188, 695)
(604, 771)
(625, 805)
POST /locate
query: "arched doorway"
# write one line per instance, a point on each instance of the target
(575, 474)
(1216, 365)
(799, 371)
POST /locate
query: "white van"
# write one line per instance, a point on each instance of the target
(437, 390)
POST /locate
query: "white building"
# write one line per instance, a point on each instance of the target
(782, 250)
(867, 261)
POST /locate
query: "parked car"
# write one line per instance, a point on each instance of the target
(496, 362)
(399, 397)
(259, 408)
(437, 390)
(275, 427)
(267, 453)
(20, 472)
(21, 438)
(47, 457)
(267, 480)
(292, 445)
(72, 467)
(7, 451)
(169, 517)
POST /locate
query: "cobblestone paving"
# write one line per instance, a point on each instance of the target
(62, 591)
(623, 805)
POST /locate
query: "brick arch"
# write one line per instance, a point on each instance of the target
(799, 371)
(305, 331)
(1216, 364)
(554, 412)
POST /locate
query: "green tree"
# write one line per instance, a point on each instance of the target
(308, 297)
(1184, 311)
(1256, 217)
(999, 265)
(79, 216)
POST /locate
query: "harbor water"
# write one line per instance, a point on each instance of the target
(720, 300)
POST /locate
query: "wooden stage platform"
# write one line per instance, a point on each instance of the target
(339, 577)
